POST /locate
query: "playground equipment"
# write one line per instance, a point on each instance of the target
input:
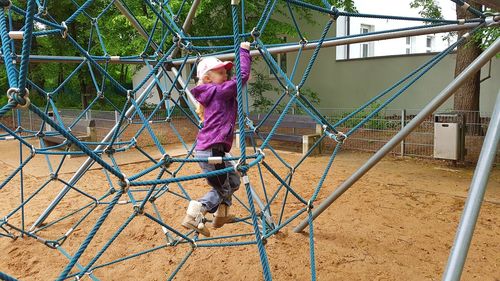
(168, 49)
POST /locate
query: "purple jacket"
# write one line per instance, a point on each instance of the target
(221, 108)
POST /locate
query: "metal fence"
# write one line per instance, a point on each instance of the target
(420, 143)
(370, 137)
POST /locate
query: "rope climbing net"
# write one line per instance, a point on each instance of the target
(149, 193)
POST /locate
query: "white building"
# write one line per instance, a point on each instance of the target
(409, 45)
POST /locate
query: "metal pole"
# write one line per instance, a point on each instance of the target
(403, 121)
(133, 21)
(188, 21)
(331, 42)
(476, 194)
(89, 162)
(414, 123)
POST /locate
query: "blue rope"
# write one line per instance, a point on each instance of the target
(315, 53)
(239, 82)
(78, 11)
(6, 277)
(89, 237)
(7, 53)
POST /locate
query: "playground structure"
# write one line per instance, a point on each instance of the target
(159, 181)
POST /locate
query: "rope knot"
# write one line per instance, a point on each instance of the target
(238, 168)
(259, 151)
(255, 33)
(340, 137)
(124, 183)
(20, 99)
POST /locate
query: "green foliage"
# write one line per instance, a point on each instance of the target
(429, 9)
(260, 88)
(376, 122)
(111, 33)
(486, 36)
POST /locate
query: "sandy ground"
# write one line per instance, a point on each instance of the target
(397, 223)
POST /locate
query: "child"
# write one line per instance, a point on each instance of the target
(218, 107)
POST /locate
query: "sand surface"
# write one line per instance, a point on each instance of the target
(397, 223)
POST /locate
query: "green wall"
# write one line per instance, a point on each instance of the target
(347, 84)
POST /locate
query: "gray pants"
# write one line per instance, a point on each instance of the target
(223, 186)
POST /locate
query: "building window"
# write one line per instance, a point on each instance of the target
(429, 43)
(365, 28)
(366, 49)
(410, 45)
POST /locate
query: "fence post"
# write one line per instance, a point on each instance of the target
(31, 120)
(403, 123)
(117, 117)
(13, 119)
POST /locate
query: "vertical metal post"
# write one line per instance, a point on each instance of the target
(477, 189)
(30, 116)
(403, 123)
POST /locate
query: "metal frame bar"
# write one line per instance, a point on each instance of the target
(477, 189)
(331, 42)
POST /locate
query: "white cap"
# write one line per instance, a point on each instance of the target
(211, 63)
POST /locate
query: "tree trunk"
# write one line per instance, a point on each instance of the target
(467, 96)
(492, 4)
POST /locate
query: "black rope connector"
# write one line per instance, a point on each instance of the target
(109, 150)
(255, 33)
(177, 40)
(138, 210)
(64, 31)
(166, 161)
(51, 244)
(335, 13)
(40, 134)
(310, 205)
